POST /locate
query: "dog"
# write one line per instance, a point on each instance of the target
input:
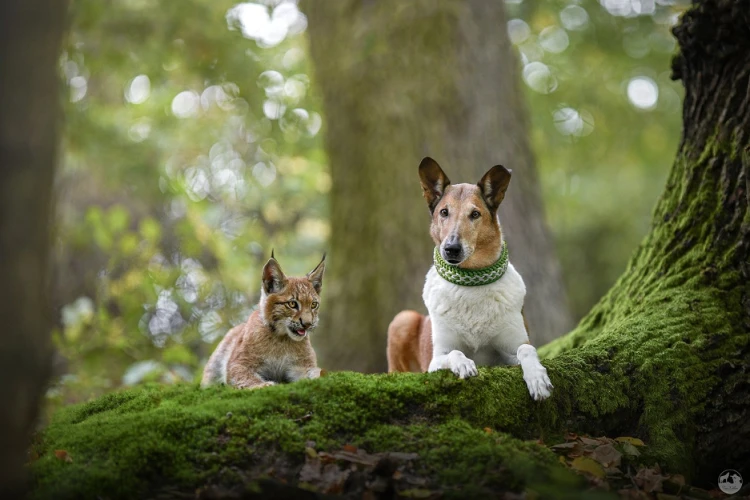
(473, 294)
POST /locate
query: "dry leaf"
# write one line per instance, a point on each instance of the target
(649, 479)
(564, 446)
(323, 372)
(562, 460)
(585, 464)
(310, 452)
(350, 448)
(589, 441)
(488, 430)
(63, 455)
(631, 440)
(607, 455)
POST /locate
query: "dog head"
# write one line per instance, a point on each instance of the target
(464, 216)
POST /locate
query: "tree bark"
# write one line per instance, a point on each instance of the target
(30, 36)
(402, 80)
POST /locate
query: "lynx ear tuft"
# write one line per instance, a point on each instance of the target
(273, 277)
(316, 275)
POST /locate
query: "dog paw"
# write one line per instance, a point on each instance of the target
(461, 365)
(540, 387)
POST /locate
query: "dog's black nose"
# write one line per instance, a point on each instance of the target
(452, 251)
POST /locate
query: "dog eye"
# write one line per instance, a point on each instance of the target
(444, 212)
(292, 304)
(315, 305)
(475, 214)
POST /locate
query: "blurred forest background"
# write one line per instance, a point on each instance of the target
(195, 142)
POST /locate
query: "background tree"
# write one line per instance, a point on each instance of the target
(400, 81)
(30, 36)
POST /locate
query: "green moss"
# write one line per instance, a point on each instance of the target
(127, 444)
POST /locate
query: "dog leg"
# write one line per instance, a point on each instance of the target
(446, 358)
(534, 374)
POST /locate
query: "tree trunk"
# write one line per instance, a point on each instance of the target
(402, 80)
(30, 35)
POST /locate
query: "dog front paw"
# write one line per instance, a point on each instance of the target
(540, 387)
(461, 365)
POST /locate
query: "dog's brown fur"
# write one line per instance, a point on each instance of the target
(261, 352)
(410, 333)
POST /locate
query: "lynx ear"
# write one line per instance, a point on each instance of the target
(273, 277)
(316, 275)
(433, 180)
(493, 186)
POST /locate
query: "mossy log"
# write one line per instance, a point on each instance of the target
(664, 357)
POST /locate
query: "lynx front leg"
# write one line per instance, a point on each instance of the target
(303, 373)
(245, 379)
(534, 374)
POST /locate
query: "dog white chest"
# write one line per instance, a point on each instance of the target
(474, 317)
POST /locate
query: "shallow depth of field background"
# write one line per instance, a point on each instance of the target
(194, 144)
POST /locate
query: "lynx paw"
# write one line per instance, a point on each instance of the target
(313, 373)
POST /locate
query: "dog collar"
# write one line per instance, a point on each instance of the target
(472, 277)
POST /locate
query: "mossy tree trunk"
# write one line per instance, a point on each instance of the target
(30, 35)
(402, 80)
(676, 326)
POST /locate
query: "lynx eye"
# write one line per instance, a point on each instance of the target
(315, 305)
(475, 215)
(292, 304)
(444, 212)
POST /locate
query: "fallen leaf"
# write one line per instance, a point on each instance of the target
(350, 448)
(562, 460)
(310, 452)
(571, 436)
(488, 430)
(585, 464)
(649, 479)
(607, 455)
(397, 475)
(63, 455)
(323, 372)
(589, 441)
(415, 493)
(564, 446)
(631, 440)
(631, 450)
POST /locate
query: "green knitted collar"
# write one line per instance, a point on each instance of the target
(472, 277)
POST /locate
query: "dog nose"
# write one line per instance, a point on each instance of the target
(452, 250)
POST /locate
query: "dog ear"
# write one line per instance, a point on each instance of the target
(493, 186)
(316, 275)
(434, 181)
(273, 277)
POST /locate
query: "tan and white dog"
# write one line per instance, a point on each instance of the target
(473, 294)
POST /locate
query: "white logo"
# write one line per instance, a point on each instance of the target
(730, 481)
